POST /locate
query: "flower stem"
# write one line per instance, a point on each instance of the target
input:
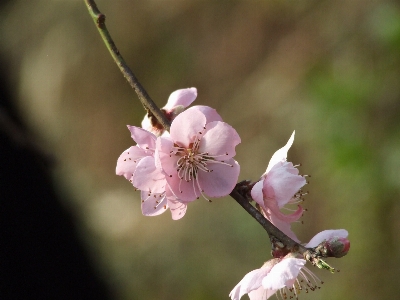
(99, 19)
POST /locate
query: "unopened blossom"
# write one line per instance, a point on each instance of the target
(197, 157)
(278, 186)
(177, 102)
(286, 276)
(334, 242)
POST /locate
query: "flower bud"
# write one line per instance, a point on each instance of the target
(338, 246)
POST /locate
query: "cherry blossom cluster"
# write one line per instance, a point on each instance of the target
(193, 160)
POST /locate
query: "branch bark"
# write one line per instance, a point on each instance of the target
(267, 225)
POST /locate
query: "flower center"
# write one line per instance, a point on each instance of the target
(191, 161)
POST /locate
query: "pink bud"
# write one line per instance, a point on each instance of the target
(338, 246)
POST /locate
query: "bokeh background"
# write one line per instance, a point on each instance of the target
(329, 69)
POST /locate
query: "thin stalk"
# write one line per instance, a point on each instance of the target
(100, 19)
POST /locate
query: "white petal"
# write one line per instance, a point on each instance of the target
(250, 282)
(326, 235)
(281, 154)
(261, 294)
(283, 273)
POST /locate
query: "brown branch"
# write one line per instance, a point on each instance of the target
(272, 231)
(99, 19)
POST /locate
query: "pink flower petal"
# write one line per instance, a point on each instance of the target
(281, 154)
(219, 139)
(162, 155)
(261, 294)
(282, 182)
(210, 113)
(221, 181)
(283, 226)
(326, 235)
(147, 177)
(178, 209)
(144, 138)
(154, 204)
(183, 97)
(127, 162)
(283, 273)
(187, 126)
(257, 193)
(186, 191)
(274, 210)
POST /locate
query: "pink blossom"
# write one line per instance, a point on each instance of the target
(278, 186)
(277, 274)
(287, 275)
(197, 157)
(137, 164)
(177, 102)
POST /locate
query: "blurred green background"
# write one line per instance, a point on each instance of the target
(329, 69)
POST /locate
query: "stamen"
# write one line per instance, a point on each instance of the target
(191, 162)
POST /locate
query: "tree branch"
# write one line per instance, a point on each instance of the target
(99, 19)
(273, 232)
